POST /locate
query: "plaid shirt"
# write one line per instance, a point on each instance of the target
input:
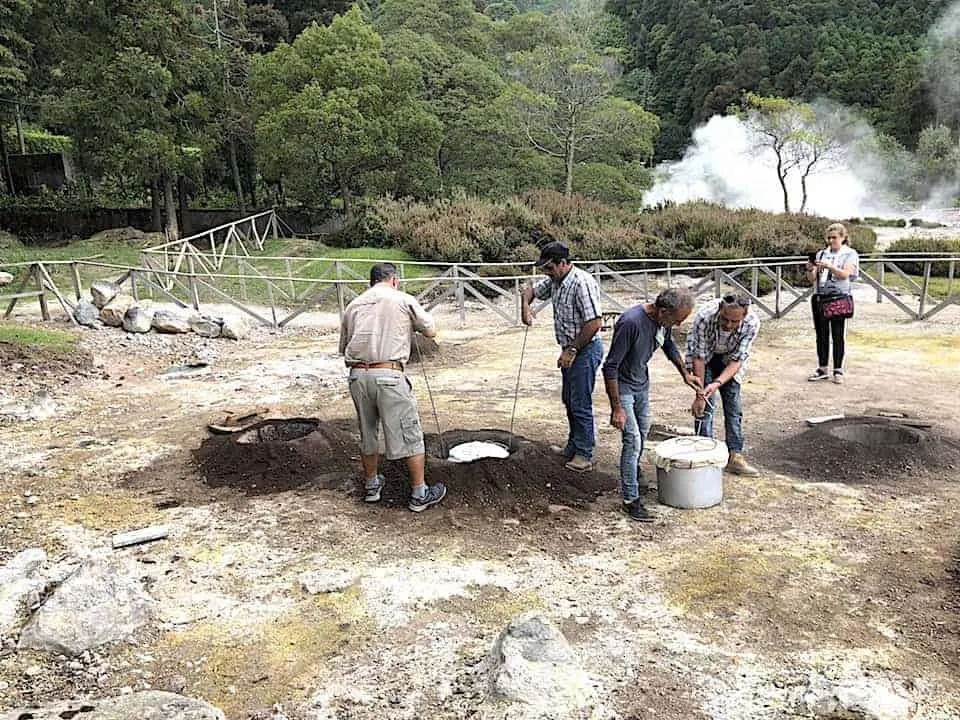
(576, 301)
(703, 340)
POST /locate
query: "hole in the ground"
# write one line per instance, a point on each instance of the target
(876, 435)
(278, 431)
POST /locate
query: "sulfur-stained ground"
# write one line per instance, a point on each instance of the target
(717, 613)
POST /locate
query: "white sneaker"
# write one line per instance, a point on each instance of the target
(820, 374)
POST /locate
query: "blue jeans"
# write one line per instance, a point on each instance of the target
(577, 393)
(732, 408)
(637, 407)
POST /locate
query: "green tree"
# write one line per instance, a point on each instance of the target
(800, 138)
(563, 107)
(14, 50)
(938, 154)
(331, 109)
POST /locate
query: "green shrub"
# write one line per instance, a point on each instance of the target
(925, 245)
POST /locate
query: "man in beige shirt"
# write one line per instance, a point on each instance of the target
(375, 338)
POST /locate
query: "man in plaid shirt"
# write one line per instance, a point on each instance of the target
(718, 349)
(576, 322)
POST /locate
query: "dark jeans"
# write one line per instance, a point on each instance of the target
(732, 408)
(578, 382)
(825, 329)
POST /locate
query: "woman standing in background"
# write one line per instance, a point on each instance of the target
(832, 270)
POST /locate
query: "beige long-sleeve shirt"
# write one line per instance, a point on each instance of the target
(378, 326)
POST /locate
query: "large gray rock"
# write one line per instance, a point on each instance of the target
(20, 588)
(205, 327)
(138, 319)
(149, 705)
(113, 313)
(532, 663)
(168, 321)
(86, 313)
(862, 698)
(98, 604)
(103, 291)
(6, 278)
(233, 328)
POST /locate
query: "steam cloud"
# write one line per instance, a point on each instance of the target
(724, 165)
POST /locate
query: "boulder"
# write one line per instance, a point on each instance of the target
(862, 698)
(233, 328)
(113, 313)
(205, 327)
(168, 321)
(532, 663)
(149, 705)
(20, 589)
(86, 313)
(138, 319)
(103, 291)
(6, 278)
(100, 603)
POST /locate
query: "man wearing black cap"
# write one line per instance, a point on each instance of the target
(576, 322)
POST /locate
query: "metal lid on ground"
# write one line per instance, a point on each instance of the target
(689, 452)
(476, 450)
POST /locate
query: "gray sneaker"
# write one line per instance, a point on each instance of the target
(372, 489)
(434, 494)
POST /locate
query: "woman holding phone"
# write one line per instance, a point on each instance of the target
(831, 270)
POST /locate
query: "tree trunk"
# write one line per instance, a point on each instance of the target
(235, 170)
(5, 160)
(184, 205)
(173, 228)
(19, 121)
(156, 218)
(571, 144)
(803, 196)
(782, 177)
(345, 196)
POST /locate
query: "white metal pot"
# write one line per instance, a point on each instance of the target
(690, 471)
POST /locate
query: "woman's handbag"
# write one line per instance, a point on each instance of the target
(836, 306)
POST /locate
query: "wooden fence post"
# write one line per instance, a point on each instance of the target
(881, 280)
(458, 292)
(717, 282)
(923, 288)
(42, 297)
(777, 291)
(340, 295)
(75, 274)
(194, 293)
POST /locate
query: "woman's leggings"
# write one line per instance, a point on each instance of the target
(835, 327)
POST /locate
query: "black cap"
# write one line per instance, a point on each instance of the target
(553, 252)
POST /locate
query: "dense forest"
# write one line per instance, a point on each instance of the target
(324, 102)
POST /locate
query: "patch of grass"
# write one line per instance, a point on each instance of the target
(724, 576)
(249, 667)
(26, 336)
(925, 348)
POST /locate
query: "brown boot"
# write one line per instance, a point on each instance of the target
(738, 465)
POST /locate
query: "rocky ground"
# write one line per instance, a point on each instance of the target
(802, 595)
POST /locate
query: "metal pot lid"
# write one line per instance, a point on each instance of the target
(689, 452)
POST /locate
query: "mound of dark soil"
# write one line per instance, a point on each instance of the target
(275, 456)
(862, 450)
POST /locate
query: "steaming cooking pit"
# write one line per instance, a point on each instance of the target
(865, 449)
(877, 435)
(278, 431)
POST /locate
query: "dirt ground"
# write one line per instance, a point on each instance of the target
(835, 560)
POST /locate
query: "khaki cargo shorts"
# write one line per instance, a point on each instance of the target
(384, 399)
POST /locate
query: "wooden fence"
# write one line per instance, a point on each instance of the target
(223, 265)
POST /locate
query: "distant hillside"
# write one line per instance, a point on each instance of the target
(690, 59)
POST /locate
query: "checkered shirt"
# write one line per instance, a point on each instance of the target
(704, 338)
(576, 301)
